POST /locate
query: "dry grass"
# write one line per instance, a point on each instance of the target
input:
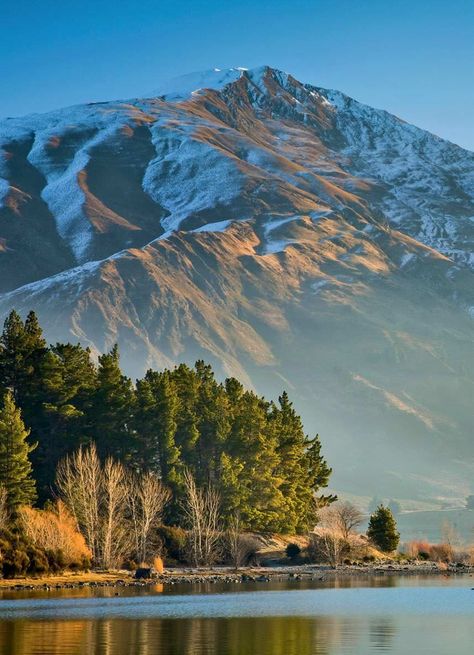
(443, 553)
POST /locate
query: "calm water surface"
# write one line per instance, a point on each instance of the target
(357, 616)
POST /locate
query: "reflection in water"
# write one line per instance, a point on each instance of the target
(375, 626)
(266, 636)
(382, 631)
(239, 636)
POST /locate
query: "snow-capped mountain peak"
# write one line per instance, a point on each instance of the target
(289, 232)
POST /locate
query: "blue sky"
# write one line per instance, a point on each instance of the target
(414, 58)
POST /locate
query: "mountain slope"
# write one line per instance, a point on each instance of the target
(285, 232)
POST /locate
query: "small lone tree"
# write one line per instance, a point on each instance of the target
(382, 530)
(15, 466)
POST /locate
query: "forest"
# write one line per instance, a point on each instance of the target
(177, 435)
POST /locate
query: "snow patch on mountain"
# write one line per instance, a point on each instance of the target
(276, 245)
(219, 226)
(62, 193)
(188, 175)
(273, 224)
(406, 259)
(4, 188)
(183, 86)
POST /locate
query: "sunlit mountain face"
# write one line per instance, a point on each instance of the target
(286, 233)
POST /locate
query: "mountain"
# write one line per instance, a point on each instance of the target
(286, 233)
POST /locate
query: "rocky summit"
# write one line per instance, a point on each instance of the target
(286, 233)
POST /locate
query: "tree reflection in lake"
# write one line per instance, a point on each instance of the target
(392, 616)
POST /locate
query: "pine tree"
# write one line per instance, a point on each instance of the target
(212, 410)
(22, 348)
(250, 478)
(303, 469)
(291, 450)
(15, 467)
(61, 420)
(112, 408)
(254, 453)
(186, 384)
(382, 530)
(157, 410)
(318, 471)
(22, 355)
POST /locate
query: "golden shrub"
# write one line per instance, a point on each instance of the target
(55, 529)
(158, 564)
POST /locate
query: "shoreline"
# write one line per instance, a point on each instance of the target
(226, 575)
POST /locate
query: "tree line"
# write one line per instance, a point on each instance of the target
(177, 425)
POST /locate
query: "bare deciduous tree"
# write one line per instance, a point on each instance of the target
(348, 516)
(201, 508)
(114, 535)
(328, 540)
(79, 481)
(96, 496)
(239, 544)
(147, 499)
(449, 535)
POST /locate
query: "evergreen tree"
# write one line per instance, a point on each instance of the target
(61, 421)
(15, 467)
(382, 530)
(291, 449)
(254, 453)
(22, 349)
(318, 471)
(250, 481)
(212, 410)
(157, 408)
(186, 384)
(22, 356)
(112, 409)
(303, 469)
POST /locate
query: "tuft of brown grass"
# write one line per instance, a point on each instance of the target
(416, 548)
(158, 564)
(442, 553)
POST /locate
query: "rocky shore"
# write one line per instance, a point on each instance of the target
(226, 575)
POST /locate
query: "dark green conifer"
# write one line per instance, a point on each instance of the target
(382, 530)
(112, 409)
(15, 466)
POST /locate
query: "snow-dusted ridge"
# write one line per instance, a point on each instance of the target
(424, 185)
(183, 86)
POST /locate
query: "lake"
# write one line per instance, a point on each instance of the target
(354, 615)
